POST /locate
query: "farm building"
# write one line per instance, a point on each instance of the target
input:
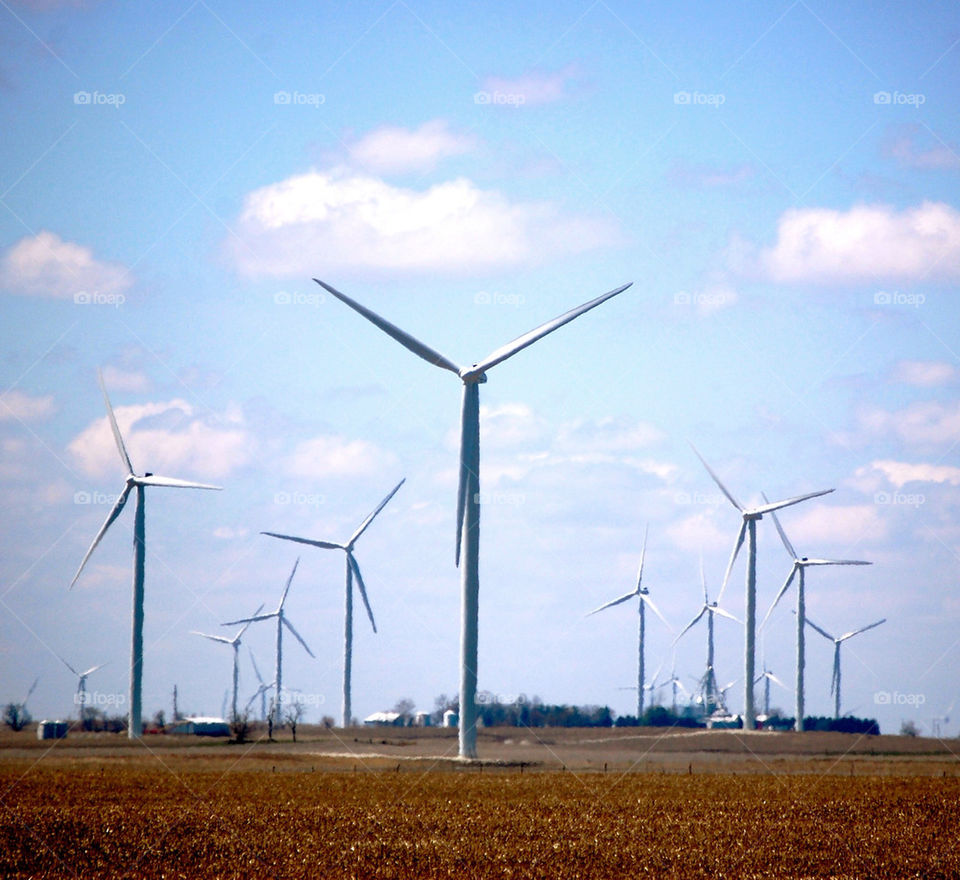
(200, 726)
(384, 719)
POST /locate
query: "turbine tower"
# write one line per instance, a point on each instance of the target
(643, 594)
(282, 622)
(468, 492)
(81, 695)
(748, 529)
(710, 691)
(837, 642)
(139, 483)
(353, 570)
(800, 564)
(235, 644)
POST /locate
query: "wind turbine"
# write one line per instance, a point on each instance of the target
(81, 696)
(468, 491)
(748, 529)
(837, 642)
(766, 677)
(708, 684)
(677, 684)
(235, 644)
(352, 570)
(261, 690)
(643, 594)
(282, 622)
(800, 564)
(139, 556)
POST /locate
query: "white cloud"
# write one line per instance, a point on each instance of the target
(905, 150)
(391, 149)
(925, 374)
(46, 265)
(163, 438)
(339, 221)
(535, 87)
(25, 407)
(867, 243)
(510, 425)
(899, 473)
(925, 423)
(125, 380)
(228, 533)
(700, 531)
(332, 456)
(820, 526)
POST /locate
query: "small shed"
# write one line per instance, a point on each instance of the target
(52, 729)
(384, 719)
(201, 726)
(422, 719)
(451, 718)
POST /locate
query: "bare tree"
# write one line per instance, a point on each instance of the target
(292, 713)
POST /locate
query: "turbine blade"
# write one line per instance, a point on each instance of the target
(113, 425)
(114, 513)
(92, 669)
(689, 626)
(363, 589)
(781, 532)
(173, 483)
(223, 639)
(703, 580)
(74, 671)
(717, 610)
(820, 630)
(269, 616)
(862, 629)
(236, 638)
(835, 562)
(33, 687)
(469, 454)
(404, 338)
(299, 638)
(716, 479)
(776, 505)
(255, 669)
(783, 590)
(643, 555)
(326, 545)
(629, 595)
(286, 589)
(521, 342)
(733, 558)
(363, 526)
(645, 597)
(773, 678)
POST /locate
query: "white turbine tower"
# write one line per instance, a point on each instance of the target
(235, 644)
(81, 696)
(748, 529)
(837, 642)
(800, 564)
(261, 690)
(353, 570)
(282, 622)
(468, 492)
(643, 595)
(712, 698)
(139, 483)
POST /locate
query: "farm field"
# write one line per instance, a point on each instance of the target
(321, 809)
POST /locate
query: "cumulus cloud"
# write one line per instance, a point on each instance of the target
(823, 526)
(925, 423)
(334, 456)
(391, 149)
(899, 473)
(925, 374)
(348, 222)
(23, 407)
(866, 243)
(903, 146)
(125, 380)
(165, 438)
(534, 87)
(46, 265)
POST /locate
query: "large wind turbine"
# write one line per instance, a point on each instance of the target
(708, 684)
(139, 556)
(81, 695)
(468, 492)
(748, 529)
(643, 594)
(800, 564)
(282, 622)
(837, 642)
(235, 644)
(353, 570)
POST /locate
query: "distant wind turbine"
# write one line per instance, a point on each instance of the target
(81, 695)
(837, 642)
(766, 677)
(643, 595)
(139, 483)
(709, 689)
(282, 622)
(748, 529)
(674, 680)
(353, 570)
(261, 690)
(468, 492)
(800, 564)
(235, 644)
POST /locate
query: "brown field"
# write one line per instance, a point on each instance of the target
(394, 804)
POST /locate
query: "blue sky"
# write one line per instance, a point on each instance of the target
(780, 182)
